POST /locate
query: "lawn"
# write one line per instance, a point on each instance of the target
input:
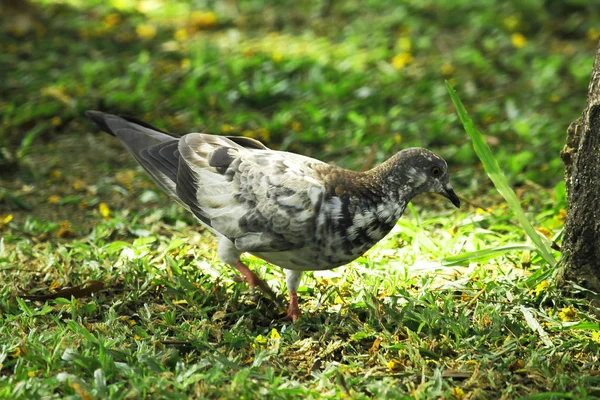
(111, 290)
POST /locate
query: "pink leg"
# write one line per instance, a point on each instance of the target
(294, 310)
(254, 281)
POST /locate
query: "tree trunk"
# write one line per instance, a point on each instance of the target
(581, 155)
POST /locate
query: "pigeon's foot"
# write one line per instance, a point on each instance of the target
(254, 281)
(293, 310)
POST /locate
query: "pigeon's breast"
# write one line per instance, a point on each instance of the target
(344, 229)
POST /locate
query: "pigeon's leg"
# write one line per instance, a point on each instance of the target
(254, 281)
(231, 255)
(292, 279)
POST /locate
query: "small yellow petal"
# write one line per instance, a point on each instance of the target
(54, 199)
(204, 19)
(518, 40)
(458, 393)
(296, 126)
(274, 334)
(394, 365)
(104, 210)
(181, 35)
(260, 339)
(401, 60)
(111, 20)
(568, 314)
(145, 31)
(186, 63)
(7, 219)
(541, 287)
(16, 353)
(447, 69)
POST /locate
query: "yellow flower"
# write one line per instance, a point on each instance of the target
(568, 314)
(54, 199)
(104, 210)
(596, 336)
(125, 177)
(204, 19)
(555, 98)
(137, 337)
(274, 334)
(545, 232)
(65, 230)
(518, 40)
(181, 35)
(401, 60)
(226, 128)
(111, 20)
(593, 34)
(16, 353)
(78, 184)
(260, 339)
(185, 63)
(397, 137)
(394, 365)
(6, 219)
(541, 287)
(56, 121)
(447, 69)
(458, 393)
(55, 174)
(296, 126)
(31, 374)
(145, 31)
(263, 134)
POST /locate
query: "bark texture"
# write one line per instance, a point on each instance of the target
(581, 155)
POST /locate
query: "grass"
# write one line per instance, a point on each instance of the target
(452, 304)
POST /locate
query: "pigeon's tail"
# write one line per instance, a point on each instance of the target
(156, 151)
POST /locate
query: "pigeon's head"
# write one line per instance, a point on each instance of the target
(423, 172)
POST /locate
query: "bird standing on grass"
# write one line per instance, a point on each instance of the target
(293, 211)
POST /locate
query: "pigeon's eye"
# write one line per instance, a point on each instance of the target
(436, 171)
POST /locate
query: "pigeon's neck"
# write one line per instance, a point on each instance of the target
(393, 181)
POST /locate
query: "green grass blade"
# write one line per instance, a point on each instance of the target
(497, 176)
(463, 258)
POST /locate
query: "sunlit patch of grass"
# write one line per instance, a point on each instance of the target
(170, 309)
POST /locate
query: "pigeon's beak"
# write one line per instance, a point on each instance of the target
(450, 195)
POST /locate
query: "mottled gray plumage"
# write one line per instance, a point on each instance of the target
(290, 210)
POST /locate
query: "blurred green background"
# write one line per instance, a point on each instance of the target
(351, 82)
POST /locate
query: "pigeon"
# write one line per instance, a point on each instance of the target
(293, 211)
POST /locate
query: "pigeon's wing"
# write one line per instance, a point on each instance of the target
(263, 201)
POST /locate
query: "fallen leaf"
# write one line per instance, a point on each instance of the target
(76, 291)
